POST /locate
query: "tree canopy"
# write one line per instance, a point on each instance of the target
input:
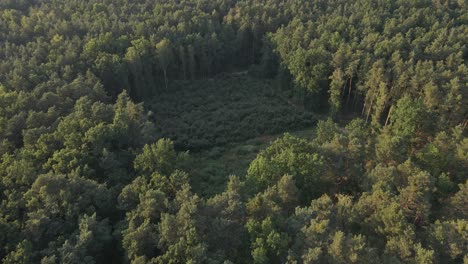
(345, 123)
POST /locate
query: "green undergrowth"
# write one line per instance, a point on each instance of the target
(211, 168)
(202, 114)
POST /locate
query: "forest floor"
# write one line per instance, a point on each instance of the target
(212, 167)
(225, 122)
(198, 115)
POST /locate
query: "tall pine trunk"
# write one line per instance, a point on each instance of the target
(349, 91)
(165, 79)
(370, 106)
(388, 116)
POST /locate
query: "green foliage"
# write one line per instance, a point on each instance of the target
(449, 238)
(180, 234)
(202, 114)
(89, 175)
(22, 254)
(226, 213)
(158, 158)
(165, 56)
(457, 207)
(289, 155)
(268, 244)
(409, 118)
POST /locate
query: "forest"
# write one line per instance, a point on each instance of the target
(233, 131)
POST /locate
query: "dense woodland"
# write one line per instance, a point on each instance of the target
(108, 107)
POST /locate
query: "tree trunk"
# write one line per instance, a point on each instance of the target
(370, 107)
(388, 116)
(365, 103)
(252, 53)
(465, 122)
(165, 79)
(354, 102)
(349, 91)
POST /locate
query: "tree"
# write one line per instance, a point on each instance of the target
(326, 131)
(448, 237)
(146, 201)
(22, 254)
(165, 56)
(457, 206)
(336, 85)
(347, 249)
(226, 214)
(180, 237)
(266, 222)
(92, 243)
(58, 201)
(183, 60)
(415, 199)
(382, 217)
(192, 63)
(159, 157)
(293, 156)
(268, 244)
(321, 233)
